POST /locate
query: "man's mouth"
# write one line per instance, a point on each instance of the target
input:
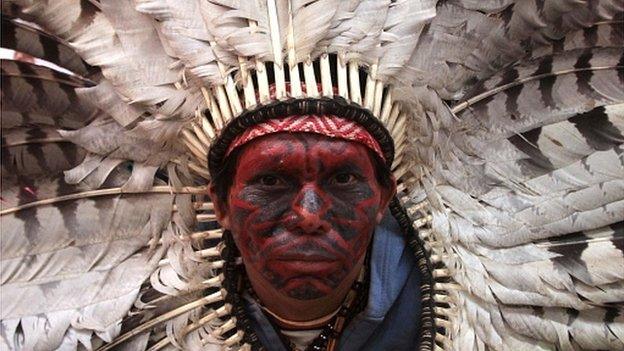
(306, 262)
(305, 268)
(293, 260)
(306, 250)
(303, 259)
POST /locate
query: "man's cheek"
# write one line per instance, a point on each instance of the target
(251, 196)
(363, 232)
(256, 201)
(250, 247)
(352, 220)
(360, 197)
(261, 219)
(366, 210)
(274, 210)
(255, 227)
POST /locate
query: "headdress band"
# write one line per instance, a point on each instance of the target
(327, 125)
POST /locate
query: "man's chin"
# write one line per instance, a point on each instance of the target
(305, 292)
(307, 288)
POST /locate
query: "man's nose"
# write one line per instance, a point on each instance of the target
(310, 207)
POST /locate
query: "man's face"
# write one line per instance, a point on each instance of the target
(302, 209)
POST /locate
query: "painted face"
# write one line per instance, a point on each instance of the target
(302, 210)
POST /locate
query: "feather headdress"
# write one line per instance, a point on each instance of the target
(503, 122)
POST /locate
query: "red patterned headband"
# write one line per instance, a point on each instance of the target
(331, 126)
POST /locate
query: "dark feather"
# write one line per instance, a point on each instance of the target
(20, 36)
(592, 329)
(602, 34)
(562, 143)
(542, 115)
(38, 95)
(11, 9)
(36, 151)
(462, 47)
(591, 256)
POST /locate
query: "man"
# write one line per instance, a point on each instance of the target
(304, 205)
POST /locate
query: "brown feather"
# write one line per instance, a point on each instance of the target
(22, 37)
(38, 95)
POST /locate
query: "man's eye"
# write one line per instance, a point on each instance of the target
(269, 180)
(344, 178)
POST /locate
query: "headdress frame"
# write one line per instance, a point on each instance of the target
(336, 106)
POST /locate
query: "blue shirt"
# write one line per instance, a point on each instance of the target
(391, 319)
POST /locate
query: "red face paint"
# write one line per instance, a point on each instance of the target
(302, 209)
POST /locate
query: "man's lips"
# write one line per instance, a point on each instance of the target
(304, 257)
(293, 267)
(305, 249)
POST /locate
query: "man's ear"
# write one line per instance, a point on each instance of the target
(220, 208)
(386, 195)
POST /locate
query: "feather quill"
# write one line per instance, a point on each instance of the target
(311, 22)
(400, 35)
(228, 23)
(360, 32)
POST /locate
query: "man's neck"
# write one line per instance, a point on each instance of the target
(298, 325)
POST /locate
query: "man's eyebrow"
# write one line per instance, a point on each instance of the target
(260, 163)
(348, 166)
(263, 163)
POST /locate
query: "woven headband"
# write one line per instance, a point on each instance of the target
(327, 125)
